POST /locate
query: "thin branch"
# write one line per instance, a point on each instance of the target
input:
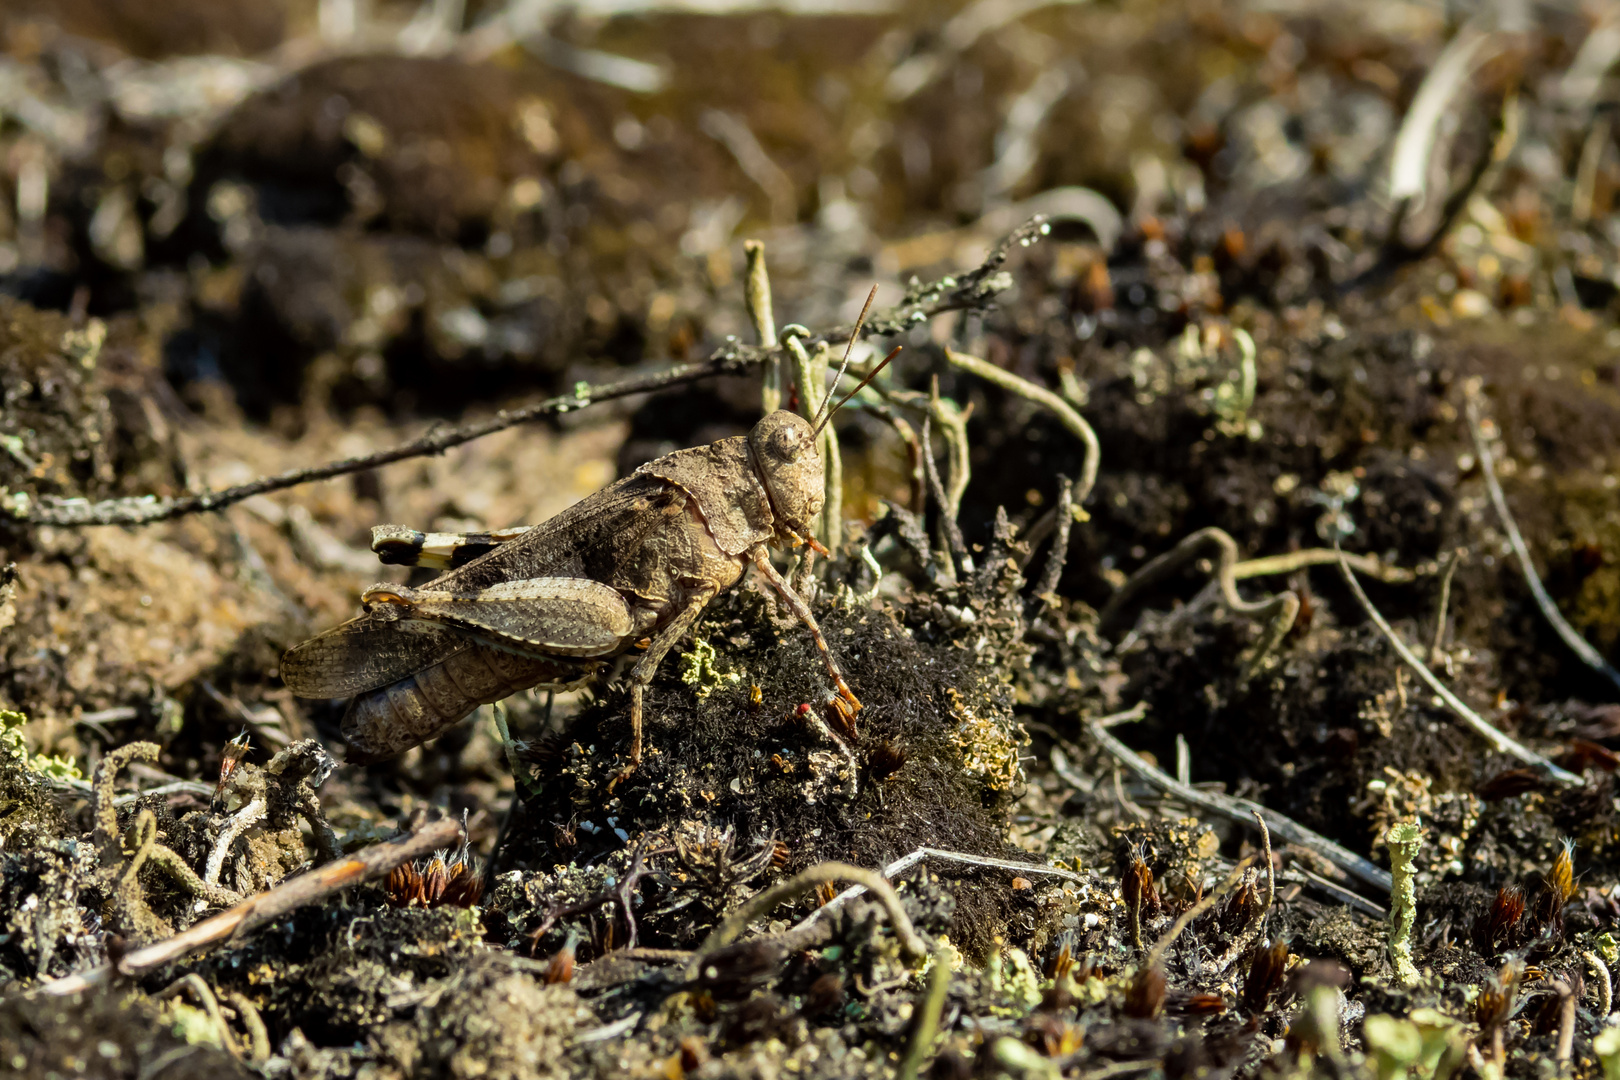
(266, 907)
(1494, 736)
(1236, 809)
(1436, 653)
(1041, 396)
(1577, 644)
(961, 561)
(974, 290)
(1046, 588)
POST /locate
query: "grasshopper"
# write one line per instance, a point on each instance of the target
(632, 566)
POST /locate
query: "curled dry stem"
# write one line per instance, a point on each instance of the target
(106, 813)
(241, 821)
(1498, 740)
(1065, 413)
(801, 884)
(258, 1034)
(1280, 610)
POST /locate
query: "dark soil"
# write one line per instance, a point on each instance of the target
(236, 239)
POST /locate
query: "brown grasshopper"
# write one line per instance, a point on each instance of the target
(633, 565)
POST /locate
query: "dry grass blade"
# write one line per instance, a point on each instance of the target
(1495, 737)
(1236, 809)
(1577, 644)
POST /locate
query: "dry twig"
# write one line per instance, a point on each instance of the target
(266, 907)
(1236, 809)
(972, 290)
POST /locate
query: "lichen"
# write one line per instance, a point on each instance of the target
(12, 743)
(988, 750)
(699, 671)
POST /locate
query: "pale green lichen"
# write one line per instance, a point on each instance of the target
(12, 744)
(699, 671)
(1015, 980)
(1606, 1045)
(1403, 840)
(988, 750)
(1427, 1045)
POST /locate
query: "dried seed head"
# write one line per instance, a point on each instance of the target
(1241, 908)
(1144, 998)
(886, 759)
(1557, 888)
(466, 885)
(1505, 785)
(1060, 963)
(1136, 885)
(1267, 966)
(229, 759)
(1495, 1002)
(1499, 926)
(434, 879)
(403, 885)
(560, 968)
(563, 836)
(1561, 878)
(1052, 1035)
(824, 996)
(1201, 1005)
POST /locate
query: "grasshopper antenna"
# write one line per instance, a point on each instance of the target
(858, 387)
(822, 415)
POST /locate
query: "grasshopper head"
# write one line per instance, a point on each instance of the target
(784, 447)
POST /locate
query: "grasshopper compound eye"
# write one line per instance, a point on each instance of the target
(789, 464)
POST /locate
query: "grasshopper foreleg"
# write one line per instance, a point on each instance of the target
(849, 704)
(641, 675)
